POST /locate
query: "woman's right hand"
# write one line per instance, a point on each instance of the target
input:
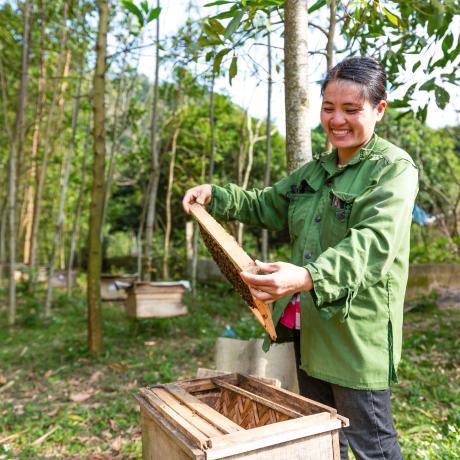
(200, 194)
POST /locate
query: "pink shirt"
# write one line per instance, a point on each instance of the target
(291, 314)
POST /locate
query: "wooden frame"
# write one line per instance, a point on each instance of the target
(232, 259)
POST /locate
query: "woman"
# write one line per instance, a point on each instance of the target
(349, 215)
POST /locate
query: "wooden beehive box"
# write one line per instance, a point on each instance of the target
(156, 299)
(113, 287)
(232, 259)
(234, 417)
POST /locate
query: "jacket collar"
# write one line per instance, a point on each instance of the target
(329, 161)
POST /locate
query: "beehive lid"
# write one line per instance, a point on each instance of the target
(232, 259)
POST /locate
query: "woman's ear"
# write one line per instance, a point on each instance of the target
(381, 106)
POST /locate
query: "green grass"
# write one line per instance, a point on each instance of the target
(87, 404)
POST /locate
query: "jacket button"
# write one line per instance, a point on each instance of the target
(328, 183)
(307, 255)
(318, 218)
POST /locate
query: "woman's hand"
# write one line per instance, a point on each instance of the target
(284, 279)
(200, 194)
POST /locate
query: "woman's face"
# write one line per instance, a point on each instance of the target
(347, 117)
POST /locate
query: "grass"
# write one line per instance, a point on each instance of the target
(57, 401)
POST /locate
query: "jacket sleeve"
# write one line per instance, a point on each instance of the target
(267, 208)
(379, 224)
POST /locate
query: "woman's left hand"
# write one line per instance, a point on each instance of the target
(283, 279)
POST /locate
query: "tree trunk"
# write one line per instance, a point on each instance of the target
(298, 136)
(118, 130)
(253, 138)
(27, 220)
(330, 49)
(155, 174)
(95, 331)
(168, 203)
(17, 137)
(268, 153)
(2, 241)
(76, 221)
(65, 180)
(212, 128)
(51, 126)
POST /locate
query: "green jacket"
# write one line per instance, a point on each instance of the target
(349, 227)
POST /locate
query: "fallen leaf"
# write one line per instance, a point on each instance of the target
(113, 425)
(49, 373)
(116, 444)
(43, 438)
(118, 367)
(106, 434)
(150, 343)
(3, 379)
(80, 397)
(95, 376)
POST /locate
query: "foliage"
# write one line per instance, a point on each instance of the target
(393, 32)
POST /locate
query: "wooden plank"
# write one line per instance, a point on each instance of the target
(317, 447)
(270, 435)
(150, 418)
(336, 445)
(236, 260)
(255, 397)
(287, 398)
(284, 397)
(194, 418)
(180, 423)
(205, 372)
(222, 423)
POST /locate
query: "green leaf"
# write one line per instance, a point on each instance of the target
(442, 97)
(319, 4)
(233, 24)
(225, 15)
(277, 68)
(213, 35)
(145, 6)
(154, 14)
(217, 26)
(400, 103)
(391, 17)
(219, 2)
(209, 56)
(428, 85)
(422, 113)
(218, 59)
(130, 6)
(447, 43)
(233, 69)
(416, 66)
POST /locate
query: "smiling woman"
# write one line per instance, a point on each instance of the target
(340, 296)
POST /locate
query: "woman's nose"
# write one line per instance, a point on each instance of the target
(338, 118)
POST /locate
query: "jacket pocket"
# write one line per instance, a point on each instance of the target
(301, 206)
(336, 218)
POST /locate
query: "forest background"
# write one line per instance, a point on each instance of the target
(97, 147)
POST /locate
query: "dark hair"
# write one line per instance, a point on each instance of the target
(363, 70)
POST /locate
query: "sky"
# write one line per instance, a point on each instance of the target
(249, 88)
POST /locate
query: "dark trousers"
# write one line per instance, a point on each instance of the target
(371, 434)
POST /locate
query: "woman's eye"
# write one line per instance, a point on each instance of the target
(351, 110)
(327, 110)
